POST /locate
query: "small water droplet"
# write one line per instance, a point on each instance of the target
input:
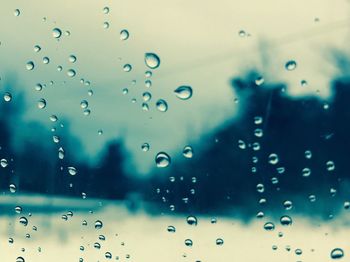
(187, 152)
(171, 229)
(124, 34)
(286, 220)
(37, 48)
(72, 58)
(127, 68)
(72, 171)
(23, 221)
(188, 242)
(290, 65)
(56, 33)
(17, 12)
(41, 103)
(71, 73)
(145, 147)
(273, 159)
(30, 65)
(192, 220)
(7, 97)
(306, 172)
(98, 224)
(13, 188)
(84, 104)
(269, 226)
(106, 10)
(219, 242)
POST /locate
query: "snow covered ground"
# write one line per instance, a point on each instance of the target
(139, 236)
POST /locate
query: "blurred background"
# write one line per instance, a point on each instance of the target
(188, 127)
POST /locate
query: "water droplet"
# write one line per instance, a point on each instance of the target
(146, 96)
(148, 74)
(259, 80)
(71, 73)
(148, 83)
(273, 159)
(30, 65)
(330, 165)
(308, 154)
(124, 34)
(98, 224)
(162, 105)
(53, 118)
(242, 33)
(145, 147)
(298, 251)
(13, 188)
(7, 97)
(303, 83)
(3, 163)
(269, 226)
(183, 92)
(290, 65)
(288, 204)
(37, 48)
(219, 241)
(187, 152)
(306, 172)
(18, 209)
(127, 68)
(87, 112)
(97, 245)
(56, 33)
(260, 188)
(192, 220)
(171, 229)
(152, 60)
(23, 221)
(72, 171)
(106, 10)
(20, 259)
(105, 25)
(46, 60)
(286, 220)
(72, 58)
(162, 160)
(337, 253)
(108, 255)
(41, 103)
(84, 104)
(17, 12)
(188, 242)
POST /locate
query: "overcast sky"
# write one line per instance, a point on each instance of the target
(198, 44)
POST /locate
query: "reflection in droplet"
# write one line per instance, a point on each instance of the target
(152, 60)
(162, 160)
(183, 92)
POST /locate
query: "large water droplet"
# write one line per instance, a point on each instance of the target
(337, 253)
(162, 160)
(71, 73)
(23, 221)
(152, 60)
(183, 92)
